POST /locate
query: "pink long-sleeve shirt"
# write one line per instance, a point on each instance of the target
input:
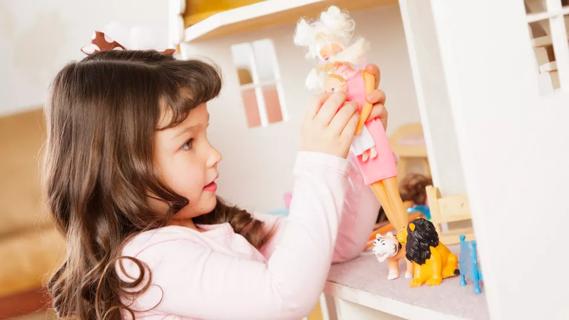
(217, 274)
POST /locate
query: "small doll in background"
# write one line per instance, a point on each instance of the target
(412, 188)
(341, 67)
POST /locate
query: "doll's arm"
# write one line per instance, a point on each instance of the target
(369, 86)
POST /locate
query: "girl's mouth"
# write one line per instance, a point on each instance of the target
(211, 187)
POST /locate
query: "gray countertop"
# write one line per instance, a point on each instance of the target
(363, 280)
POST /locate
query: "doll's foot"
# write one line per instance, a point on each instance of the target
(372, 153)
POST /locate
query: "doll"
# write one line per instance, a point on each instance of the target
(340, 66)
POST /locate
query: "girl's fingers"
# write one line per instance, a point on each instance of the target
(379, 111)
(315, 106)
(373, 69)
(376, 96)
(330, 107)
(350, 128)
(342, 117)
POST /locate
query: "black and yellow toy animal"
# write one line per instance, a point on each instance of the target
(432, 260)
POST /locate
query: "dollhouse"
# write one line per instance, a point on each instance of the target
(487, 80)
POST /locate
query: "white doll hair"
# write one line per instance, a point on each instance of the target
(333, 26)
(336, 26)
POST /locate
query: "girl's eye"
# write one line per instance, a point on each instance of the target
(187, 145)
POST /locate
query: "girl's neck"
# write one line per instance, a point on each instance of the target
(188, 223)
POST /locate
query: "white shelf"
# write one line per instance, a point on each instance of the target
(363, 282)
(268, 13)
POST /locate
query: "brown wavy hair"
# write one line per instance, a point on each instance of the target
(98, 173)
(412, 187)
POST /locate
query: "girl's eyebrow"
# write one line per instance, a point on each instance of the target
(186, 129)
(190, 128)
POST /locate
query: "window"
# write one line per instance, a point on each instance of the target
(548, 22)
(259, 82)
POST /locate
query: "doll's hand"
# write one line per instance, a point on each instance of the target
(377, 97)
(327, 129)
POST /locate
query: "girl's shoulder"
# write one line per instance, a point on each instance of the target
(156, 238)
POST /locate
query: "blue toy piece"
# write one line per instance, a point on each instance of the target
(468, 264)
(422, 209)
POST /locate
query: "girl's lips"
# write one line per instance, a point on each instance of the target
(212, 187)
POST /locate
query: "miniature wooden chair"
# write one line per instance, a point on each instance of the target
(446, 210)
(408, 144)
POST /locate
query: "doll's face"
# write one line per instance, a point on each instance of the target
(335, 84)
(329, 50)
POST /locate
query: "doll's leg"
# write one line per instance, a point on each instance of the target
(399, 214)
(381, 195)
(395, 213)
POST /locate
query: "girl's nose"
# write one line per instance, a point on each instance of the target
(214, 157)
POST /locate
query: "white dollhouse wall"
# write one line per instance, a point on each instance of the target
(258, 162)
(514, 147)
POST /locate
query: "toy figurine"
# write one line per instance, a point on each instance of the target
(341, 67)
(387, 227)
(388, 248)
(432, 260)
(421, 208)
(469, 267)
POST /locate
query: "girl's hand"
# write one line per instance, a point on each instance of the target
(377, 98)
(327, 129)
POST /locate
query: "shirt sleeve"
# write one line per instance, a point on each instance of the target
(191, 280)
(359, 213)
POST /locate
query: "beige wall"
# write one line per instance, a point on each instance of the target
(38, 37)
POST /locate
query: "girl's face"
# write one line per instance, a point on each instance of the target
(187, 164)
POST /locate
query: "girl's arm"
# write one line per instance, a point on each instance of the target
(359, 213)
(192, 280)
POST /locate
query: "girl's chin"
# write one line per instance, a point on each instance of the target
(206, 207)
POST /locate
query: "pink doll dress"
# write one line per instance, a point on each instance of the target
(383, 166)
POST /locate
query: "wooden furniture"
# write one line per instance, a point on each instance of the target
(448, 211)
(408, 143)
(30, 245)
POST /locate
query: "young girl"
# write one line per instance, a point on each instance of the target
(131, 182)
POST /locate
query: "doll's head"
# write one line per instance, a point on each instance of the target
(326, 36)
(412, 188)
(329, 41)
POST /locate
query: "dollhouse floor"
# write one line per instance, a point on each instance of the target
(363, 281)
